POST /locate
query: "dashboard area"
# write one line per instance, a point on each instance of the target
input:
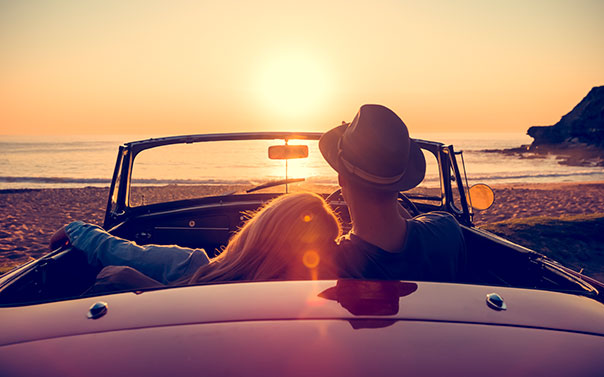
(209, 227)
(202, 225)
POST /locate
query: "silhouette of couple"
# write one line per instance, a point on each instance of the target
(297, 236)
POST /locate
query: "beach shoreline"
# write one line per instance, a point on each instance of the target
(28, 217)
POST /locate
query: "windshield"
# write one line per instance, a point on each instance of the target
(186, 171)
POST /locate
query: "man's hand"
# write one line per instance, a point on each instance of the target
(58, 239)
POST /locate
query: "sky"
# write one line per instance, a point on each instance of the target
(181, 67)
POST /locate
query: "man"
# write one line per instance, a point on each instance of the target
(375, 160)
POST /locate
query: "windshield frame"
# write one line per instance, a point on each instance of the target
(118, 202)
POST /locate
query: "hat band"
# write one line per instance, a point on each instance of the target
(355, 170)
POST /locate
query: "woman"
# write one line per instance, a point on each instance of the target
(289, 238)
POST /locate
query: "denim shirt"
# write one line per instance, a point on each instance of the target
(165, 264)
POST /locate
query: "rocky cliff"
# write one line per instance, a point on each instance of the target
(584, 125)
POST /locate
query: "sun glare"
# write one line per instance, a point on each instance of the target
(293, 84)
(296, 168)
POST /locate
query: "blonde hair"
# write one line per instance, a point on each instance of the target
(289, 238)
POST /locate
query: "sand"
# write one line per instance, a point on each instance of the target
(29, 217)
(543, 199)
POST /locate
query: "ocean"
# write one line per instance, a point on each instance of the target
(80, 161)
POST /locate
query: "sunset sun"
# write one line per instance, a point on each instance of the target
(292, 84)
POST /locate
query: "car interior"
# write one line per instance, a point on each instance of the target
(209, 222)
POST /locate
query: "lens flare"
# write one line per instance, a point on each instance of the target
(311, 259)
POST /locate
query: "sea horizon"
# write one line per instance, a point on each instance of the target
(71, 161)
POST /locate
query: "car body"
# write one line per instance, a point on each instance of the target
(516, 313)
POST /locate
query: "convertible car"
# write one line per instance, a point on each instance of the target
(516, 313)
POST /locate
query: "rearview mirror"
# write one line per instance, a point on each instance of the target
(481, 196)
(286, 152)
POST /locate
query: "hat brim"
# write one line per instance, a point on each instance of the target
(414, 173)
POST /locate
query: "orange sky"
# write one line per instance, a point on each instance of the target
(162, 68)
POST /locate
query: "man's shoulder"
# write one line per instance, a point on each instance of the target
(435, 228)
(433, 250)
(352, 248)
(435, 219)
(350, 240)
(435, 216)
(435, 223)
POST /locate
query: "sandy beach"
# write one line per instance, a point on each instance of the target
(29, 217)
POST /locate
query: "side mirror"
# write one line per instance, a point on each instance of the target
(286, 152)
(481, 196)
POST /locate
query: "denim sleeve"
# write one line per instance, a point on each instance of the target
(165, 264)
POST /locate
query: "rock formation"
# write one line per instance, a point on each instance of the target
(582, 125)
(576, 140)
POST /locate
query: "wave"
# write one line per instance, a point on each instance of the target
(536, 176)
(523, 176)
(148, 181)
(54, 180)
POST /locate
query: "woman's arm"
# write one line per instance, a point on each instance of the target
(165, 264)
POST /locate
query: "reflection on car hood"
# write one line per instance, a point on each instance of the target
(364, 304)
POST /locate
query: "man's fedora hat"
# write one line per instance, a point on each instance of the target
(375, 151)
